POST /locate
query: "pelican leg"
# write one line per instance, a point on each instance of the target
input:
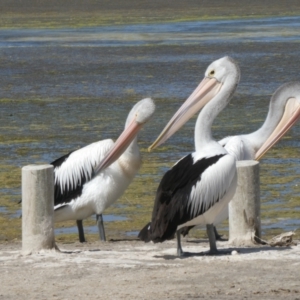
(100, 225)
(212, 239)
(180, 252)
(212, 242)
(80, 231)
(179, 248)
(217, 235)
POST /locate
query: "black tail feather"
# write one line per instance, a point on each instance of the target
(144, 234)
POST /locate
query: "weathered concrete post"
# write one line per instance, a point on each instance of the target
(37, 208)
(244, 207)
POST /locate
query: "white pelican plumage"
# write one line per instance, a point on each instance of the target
(199, 185)
(90, 179)
(284, 112)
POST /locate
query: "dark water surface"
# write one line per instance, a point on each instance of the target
(184, 33)
(62, 89)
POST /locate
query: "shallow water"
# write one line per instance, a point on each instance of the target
(62, 89)
(258, 30)
(89, 229)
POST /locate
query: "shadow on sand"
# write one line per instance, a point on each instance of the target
(224, 251)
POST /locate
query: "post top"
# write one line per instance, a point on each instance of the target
(37, 167)
(246, 163)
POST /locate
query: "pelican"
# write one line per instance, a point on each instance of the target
(284, 112)
(92, 178)
(199, 185)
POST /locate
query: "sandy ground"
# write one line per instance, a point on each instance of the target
(132, 269)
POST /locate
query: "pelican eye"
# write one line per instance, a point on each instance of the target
(212, 73)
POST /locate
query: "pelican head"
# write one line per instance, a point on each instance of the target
(139, 115)
(221, 78)
(141, 112)
(286, 97)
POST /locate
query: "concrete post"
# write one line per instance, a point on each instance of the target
(244, 207)
(37, 208)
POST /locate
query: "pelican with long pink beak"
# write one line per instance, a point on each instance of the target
(284, 112)
(284, 105)
(202, 183)
(90, 179)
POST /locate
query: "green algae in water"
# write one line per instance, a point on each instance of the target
(10, 228)
(137, 203)
(119, 13)
(10, 176)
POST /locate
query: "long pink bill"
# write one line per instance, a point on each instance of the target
(290, 117)
(205, 91)
(120, 145)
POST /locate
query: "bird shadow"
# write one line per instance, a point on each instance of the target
(224, 252)
(79, 251)
(124, 240)
(97, 249)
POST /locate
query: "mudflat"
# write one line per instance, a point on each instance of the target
(134, 270)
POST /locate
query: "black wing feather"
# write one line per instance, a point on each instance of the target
(67, 194)
(58, 162)
(171, 204)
